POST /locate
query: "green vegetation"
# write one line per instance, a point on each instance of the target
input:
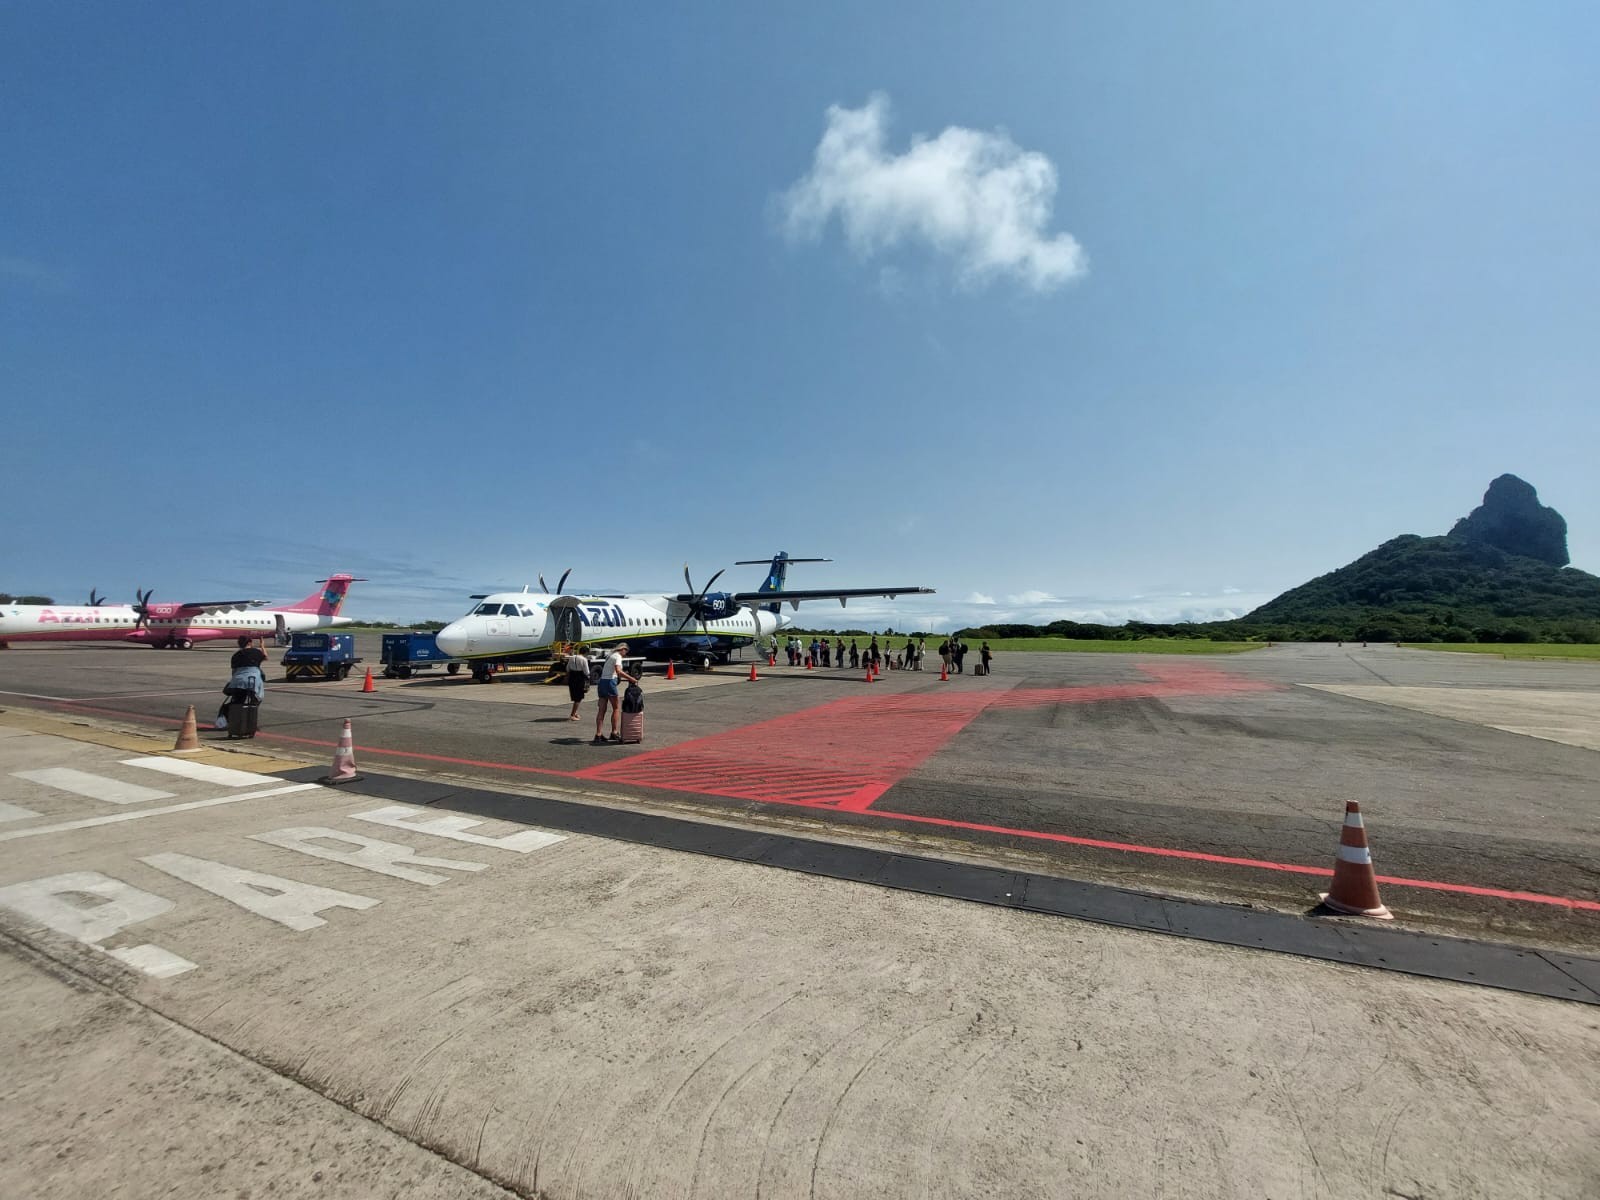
(1116, 639)
(1437, 589)
(1114, 645)
(1568, 653)
(8, 598)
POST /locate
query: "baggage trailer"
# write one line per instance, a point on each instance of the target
(320, 656)
(405, 653)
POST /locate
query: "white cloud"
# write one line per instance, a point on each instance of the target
(975, 196)
(978, 598)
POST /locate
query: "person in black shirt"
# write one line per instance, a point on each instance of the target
(247, 655)
(248, 679)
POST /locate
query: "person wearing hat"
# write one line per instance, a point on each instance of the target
(609, 675)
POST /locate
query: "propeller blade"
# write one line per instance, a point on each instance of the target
(561, 585)
(543, 586)
(687, 582)
(707, 587)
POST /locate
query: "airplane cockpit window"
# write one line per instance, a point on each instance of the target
(487, 610)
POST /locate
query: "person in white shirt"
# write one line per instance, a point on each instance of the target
(577, 677)
(610, 674)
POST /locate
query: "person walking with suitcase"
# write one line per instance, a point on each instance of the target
(609, 697)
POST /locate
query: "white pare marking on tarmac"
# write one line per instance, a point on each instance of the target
(56, 903)
(370, 854)
(91, 822)
(96, 787)
(14, 812)
(225, 776)
(286, 901)
(400, 816)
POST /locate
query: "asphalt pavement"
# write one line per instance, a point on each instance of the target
(1221, 778)
(222, 979)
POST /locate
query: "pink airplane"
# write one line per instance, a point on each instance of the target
(174, 626)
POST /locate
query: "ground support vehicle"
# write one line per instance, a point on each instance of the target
(320, 656)
(405, 653)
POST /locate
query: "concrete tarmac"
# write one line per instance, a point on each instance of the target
(243, 985)
(1221, 778)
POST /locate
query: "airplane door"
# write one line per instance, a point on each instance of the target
(568, 626)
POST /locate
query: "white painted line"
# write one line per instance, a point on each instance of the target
(152, 960)
(226, 776)
(96, 787)
(91, 822)
(14, 812)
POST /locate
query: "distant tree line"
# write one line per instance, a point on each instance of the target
(8, 598)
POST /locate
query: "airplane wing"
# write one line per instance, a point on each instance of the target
(793, 596)
(192, 607)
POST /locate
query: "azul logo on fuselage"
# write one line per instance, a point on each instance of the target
(601, 615)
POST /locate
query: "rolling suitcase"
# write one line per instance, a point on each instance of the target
(242, 718)
(633, 715)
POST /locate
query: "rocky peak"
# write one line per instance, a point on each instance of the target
(1512, 519)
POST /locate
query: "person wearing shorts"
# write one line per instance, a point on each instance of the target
(610, 675)
(577, 677)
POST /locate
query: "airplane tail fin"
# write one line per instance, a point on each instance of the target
(327, 600)
(777, 572)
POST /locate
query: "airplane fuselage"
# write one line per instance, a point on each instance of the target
(119, 622)
(524, 626)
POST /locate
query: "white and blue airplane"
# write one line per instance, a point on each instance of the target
(694, 626)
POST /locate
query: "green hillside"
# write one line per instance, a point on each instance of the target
(1438, 589)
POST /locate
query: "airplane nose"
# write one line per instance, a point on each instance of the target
(452, 639)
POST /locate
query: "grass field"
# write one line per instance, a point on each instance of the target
(1513, 650)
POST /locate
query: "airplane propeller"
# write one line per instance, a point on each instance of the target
(141, 607)
(699, 599)
(560, 585)
(95, 599)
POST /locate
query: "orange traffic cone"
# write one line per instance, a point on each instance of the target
(944, 674)
(1355, 884)
(367, 686)
(753, 675)
(671, 674)
(188, 737)
(344, 759)
(772, 660)
(871, 678)
(808, 662)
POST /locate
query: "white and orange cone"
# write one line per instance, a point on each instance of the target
(753, 675)
(344, 759)
(367, 686)
(1355, 884)
(188, 737)
(671, 674)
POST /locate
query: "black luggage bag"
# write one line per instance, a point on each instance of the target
(243, 715)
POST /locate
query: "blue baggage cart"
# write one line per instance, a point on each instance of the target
(320, 656)
(405, 653)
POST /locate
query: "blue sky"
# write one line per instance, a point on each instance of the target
(1098, 311)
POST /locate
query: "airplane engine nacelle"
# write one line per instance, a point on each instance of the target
(715, 606)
